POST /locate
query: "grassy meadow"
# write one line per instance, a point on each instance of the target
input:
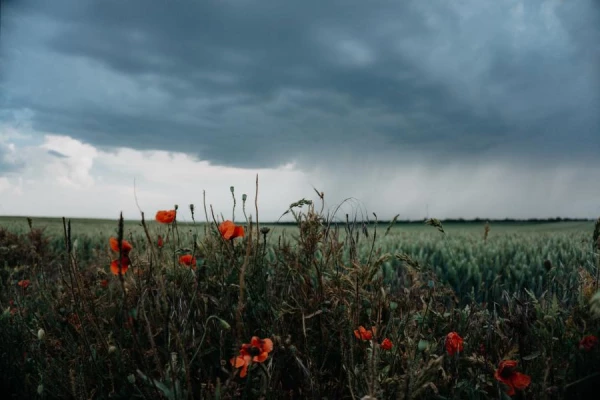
(323, 308)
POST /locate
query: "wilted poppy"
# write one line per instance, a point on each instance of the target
(188, 259)
(166, 216)
(24, 283)
(454, 343)
(363, 334)
(588, 342)
(514, 380)
(125, 245)
(386, 344)
(229, 230)
(114, 265)
(256, 351)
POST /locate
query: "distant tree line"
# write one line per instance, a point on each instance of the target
(466, 221)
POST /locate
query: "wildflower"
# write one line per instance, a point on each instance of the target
(229, 230)
(514, 380)
(166, 216)
(454, 343)
(125, 246)
(588, 342)
(363, 334)
(386, 344)
(256, 351)
(160, 242)
(114, 265)
(24, 283)
(188, 260)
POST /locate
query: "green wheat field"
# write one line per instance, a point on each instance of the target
(320, 308)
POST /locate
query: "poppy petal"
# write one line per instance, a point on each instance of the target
(244, 371)
(261, 357)
(227, 229)
(255, 341)
(520, 381)
(267, 345)
(238, 232)
(238, 361)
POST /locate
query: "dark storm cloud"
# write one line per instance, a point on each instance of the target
(260, 83)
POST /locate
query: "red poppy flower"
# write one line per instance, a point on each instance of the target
(588, 342)
(24, 283)
(166, 216)
(188, 260)
(363, 334)
(256, 351)
(160, 242)
(229, 230)
(386, 344)
(114, 265)
(125, 245)
(454, 343)
(514, 380)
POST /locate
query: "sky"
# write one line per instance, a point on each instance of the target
(447, 109)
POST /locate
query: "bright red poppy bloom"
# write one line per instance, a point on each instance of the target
(363, 334)
(188, 260)
(588, 342)
(166, 216)
(24, 283)
(125, 245)
(514, 380)
(114, 265)
(256, 351)
(229, 230)
(454, 343)
(386, 344)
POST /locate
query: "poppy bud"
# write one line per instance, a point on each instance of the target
(244, 197)
(111, 349)
(231, 188)
(131, 378)
(224, 324)
(41, 334)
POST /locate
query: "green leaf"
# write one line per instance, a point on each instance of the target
(532, 356)
(423, 345)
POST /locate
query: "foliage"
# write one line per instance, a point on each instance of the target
(287, 305)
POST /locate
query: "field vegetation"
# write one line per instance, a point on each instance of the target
(332, 306)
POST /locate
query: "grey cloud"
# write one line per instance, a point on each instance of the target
(261, 83)
(9, 161)
(57, 154)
